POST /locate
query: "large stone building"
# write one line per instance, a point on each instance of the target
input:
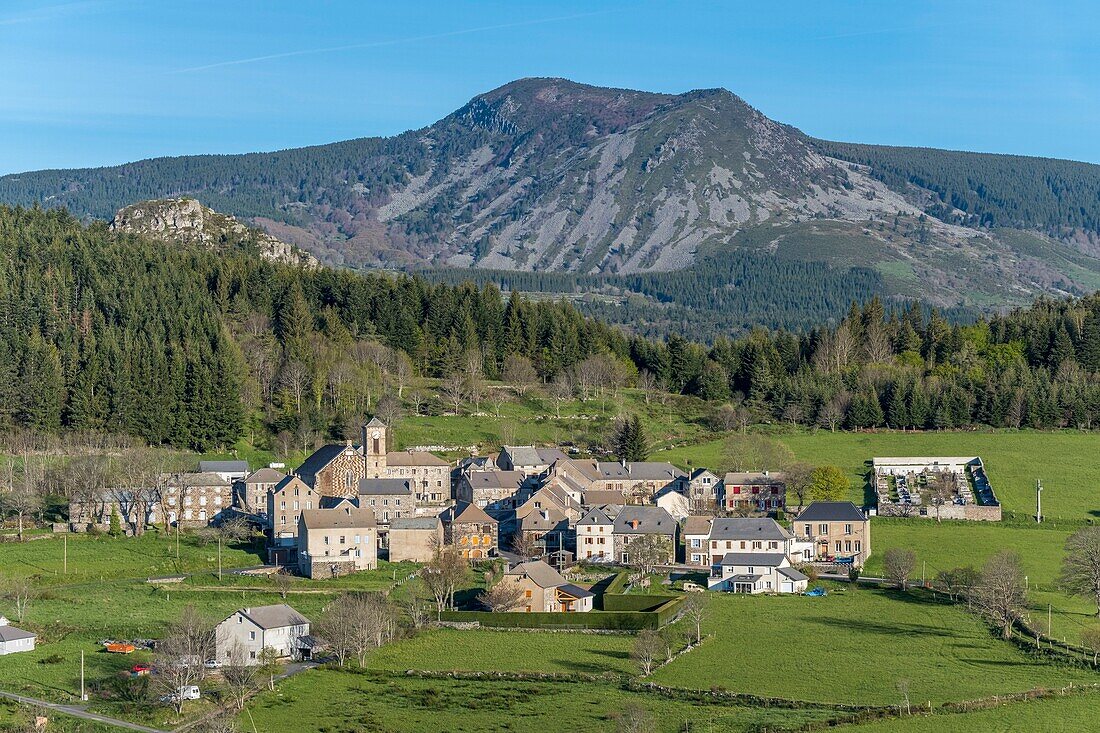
(837, 529)
(338, 541)
(336, 470)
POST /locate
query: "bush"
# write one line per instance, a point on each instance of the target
(52, 659)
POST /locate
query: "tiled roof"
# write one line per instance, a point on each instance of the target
(344, 517)
(748, 528)
(274, 617)
(649, 519)
(831, 511)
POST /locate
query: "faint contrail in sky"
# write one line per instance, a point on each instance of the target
(391, 42)
(50, 12)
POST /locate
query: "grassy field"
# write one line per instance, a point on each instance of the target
(92, 558)
(15, 718)
(507, 651)
(1067, 462)
(1071, 714)
(855, 646)
(354, 702)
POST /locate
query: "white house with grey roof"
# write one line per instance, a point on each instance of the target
(640, 481)
(13, 640)
(249, 631)
(756, 572)
(748, 535)
(389, 498)
(229, 471)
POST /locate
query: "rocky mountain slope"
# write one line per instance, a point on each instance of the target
(548, 175)
(187, 221)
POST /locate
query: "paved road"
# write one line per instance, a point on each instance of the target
(78, 711)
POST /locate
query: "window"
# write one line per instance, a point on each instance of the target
(729, 545)
(357, 539)
(847, 529)
(526, 594)
(326, 539)
(252, 655)
(309, 505)
(838, 545)
(252, 636)
(823, 529)
(282, 519)
(750, 569)
(696, 542)
(809, 530)
(857, 546)
(296, 506)
(282, 505)
(742, 544)
(757, 545)
(343, 540)
(240, 619)
(848, 546)
(773, 545)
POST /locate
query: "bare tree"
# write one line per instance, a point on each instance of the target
(1000, 595)
(903, 688)
(648, 384)
(519, 373)
(647, 650)
(499, 398)
(354, 624)
(1080, 574)
(561, 391)
(1090, 637)
(523, 545)
(181, 654)
(833, 412)
(694, 609)
(240, 676)
(634, 718)
(282, 581)
(19, 591)
(502, 596)
(940, 491)
(453, 389)
(442, 575)
(388, 409)
(797, 476)
(417, 397)
(649, 550)
(294, 377)
(22, 497)
(416, 604)
(897, 564)
(474, 378)
(401, 371)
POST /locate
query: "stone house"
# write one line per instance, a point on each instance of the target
(250, 494)
(339, 541)
(545, 590)
(696, 533)
(639, 481)
(389, 498)
(528, 459)
(747, 535)
(285, 504)
(490, 490)
(193, 499)
(754, 491)
(249, 631)
(635, 522)
(705, 490)
(837, 529)
(414, 539)
(471, 530)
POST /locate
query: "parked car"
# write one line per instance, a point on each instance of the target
(212, 664)
(139, 670)
(187, 692)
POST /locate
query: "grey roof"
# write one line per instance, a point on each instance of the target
(738, 528)
(466, 513)
(274, 617)
(197, 480)
(529, 455)
(793, 574)
(331, 502)
(698, 525)
(287, 481)
(265, 475)
(753, 478)
(10, 633)
(319, 459)
(650, 519)
(345, 517)
(496, 479)
(414, 458)
(598, 515)
(224, 466)
(831, 511)
(543, 575)
(639, 471)
(547, 519)
(763, 559)
(596, 497)
(700, 471)
(375, 423)
(576, 591)
(414, 523)
(384, 486)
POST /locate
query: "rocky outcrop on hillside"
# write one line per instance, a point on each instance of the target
(187, 221)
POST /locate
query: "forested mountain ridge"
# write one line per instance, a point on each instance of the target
(175, 344)
(549, 175)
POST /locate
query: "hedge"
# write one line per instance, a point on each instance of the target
(621, 602)
(607, 620)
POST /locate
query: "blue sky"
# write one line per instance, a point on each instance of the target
(98, 82)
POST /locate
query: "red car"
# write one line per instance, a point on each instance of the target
(139, 670)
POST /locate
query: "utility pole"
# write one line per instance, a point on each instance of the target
(65, 554)
(1038, 501)
(83, 695)
(1048, 620)
(219, 556)
(177, 539)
